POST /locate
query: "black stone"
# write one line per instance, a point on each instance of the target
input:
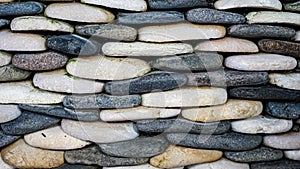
(283, 109)
(4, 22)
(6, 139)
(20, 8)
(175, 4)
(70, 166)
(280, 47)
(280, 164)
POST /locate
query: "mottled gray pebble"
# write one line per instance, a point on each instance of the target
(171, 4)
(11, 73)
(279, 164)
(6, 139)
(20, 8)
(288, 110)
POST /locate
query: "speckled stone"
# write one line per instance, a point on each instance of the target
(5, 58)
(20, 8)
(11, 73)
(230, 4)
(286, 80)
(288, 140)
(163, 4)
(223, 163)
(266, 17)
(130, 5)
(292, 154)
(71, 166)
(279, 164)
(9, 112)
(280, 47)
(6, 139)
(295, 7)
(288, 110)
(4, 22)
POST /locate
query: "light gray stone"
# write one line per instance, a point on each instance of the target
(9, 112)
(288, 140)
(130, 5)
(273, 17)
(288, 80)
(265, 4)
(223, 163)
(5, 58)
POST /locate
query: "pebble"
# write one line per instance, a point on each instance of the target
(145, 49)
(70, 166)
(232, 109)
(230, 4)
(280, 47)
(138, 113)
(21, 155)
(20, 8)
(228, 141)
(206, 15)
(98, 131)
(5, 58)
(4, 22)
(260, 62)
(39, 61)
(143, 166)
(228, 44)
(54, 138)
(28, 122)
(287, 110)
(152, 17)
(177, 156)
(119, 68)
(180, 32)
(3, 165)
(186, 97)
(84, 13)
(162, 4)
(9, 112)
(130, 5)
(27, 94)
(154, 81)
(198, 61)
(288, 140)
(273, 17)
(108, 31)
(297, 36)
(261, 124)
(292, 154)
(6, 139)
(223, 163)
(261, 31)
(11, 73)
(295, 7)
(288, 81)
(21, 42)
(279, 164)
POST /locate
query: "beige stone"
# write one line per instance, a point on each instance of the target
(5, 58)
(273, 17)
(221, 164)
(266, 4)
(286, 80)
(3, 165)
(288, 140)
(297, 36)
(130, 5)
(292, 154)
(9, 112)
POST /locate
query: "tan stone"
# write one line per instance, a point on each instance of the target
(292, 154)
(5, 58)
(288, 140)
(273, 17)
(9, 112)
(266, 4)
(287, 80)
(221, 164)
(130, 5)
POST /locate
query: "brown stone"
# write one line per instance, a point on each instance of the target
(280, 47)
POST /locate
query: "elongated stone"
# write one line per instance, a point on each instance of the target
(292, 154)
(232, 109)
(186, 97)
(4, 22)
(5, 58)
(11, 73)
(6, 139)
(289, 81)
(20, 8)
(74, 166)
(84, 13)
(180, 32)
(280, 47)
(288, 140)
(3, 165)
(145, 49)
(288, 110)
(9, 112)
(143, 166)
(229, 4)
(130, 5)
(292, 6)
(119, 68)
(98, 131)
(273, 17)
(279, 164)
(221, 164)
(162, 4)
(228, 44)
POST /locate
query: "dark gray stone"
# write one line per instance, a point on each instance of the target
(70, 166)
(4, 22)
(11, 73)
(154, 81)
(93, 156)
(257, 155)
(206, 15)
(179, 125)
(280, 47)
(139, 147)
(175, 4)
(101, 101)
(6, 139)
(280, 164)
(283, 109)
(228, 141)
(261, 31)
(20, 8)
(295, 7)
(28, 122)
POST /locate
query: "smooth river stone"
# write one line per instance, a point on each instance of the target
(84, 13)
(177, 156)
(230, 4)
(283, 110)
(130, 5)
(279, 164)
(227, 141)
(39, 61)
(228, 44)
(54, 138)
(154, 81)
(98, 131)
(206, 15)
(273, 17)
(70, 166)
(232, 109)
(21, 155)
(198, 61)
(5, 58)
(261, 31)
(143, 166)
(292, 6)
(186, 97)
(180, 125)
(223, 163)
(292, 154)
(289, 80)
(119, 68)
(3, 165)
(139, 147)
(163, 4)
(288, 140)
(27, 94)
(260, 62)
(29, 122)
(138, 113)
(145, 49)
(108, 31)
(280, 47)
(180, 32)
(20, 8)
(10, 41)
(261, 124)
(11, 73)
(6, 139)
(9, 112)
(93, 155)
(4, 23)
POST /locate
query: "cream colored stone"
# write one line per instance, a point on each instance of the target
(144, 166)
(292, 154)
(5, 58)
(9, 112)
(221, 164)
(232, 109)
(3, 165)
(273, 17)
(288, 140)
(130, 5)
(180, 32)
(287, 80)
(297, 36)
(266, 4)
(145, 49)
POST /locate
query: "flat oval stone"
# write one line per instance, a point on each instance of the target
(3, 165)
(9, 112)
(260, 62)
(11, 73)
(20, 8)
(230, 4)
(198, 61)
(162, 4)
(138, 113)
(154, 81)
(180, 32)
(39, 61)
(292, 6)
(10, 41)
(177, 156)
(279, 164)
(84, 13)
(21, 155)
(228, 44)
(206, 15)
(119, 68)
(186, 97)
(223, 163)
(288, 140)
(292, 154)
(97, 131)
(4, 22)
(228, 141)
(273, 17)
(6, 139)
(130, 5)
(232, 109)
(288, 110)
(70, 166)
(261, 124)
(54, 138)
(143, 166)
(280, 47)
(5, 58)
(28, 122)
(145, 49)
(289, 80)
